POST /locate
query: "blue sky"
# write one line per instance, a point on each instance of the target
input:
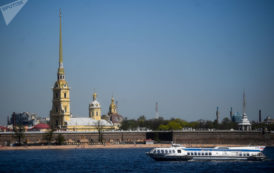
(189, 56)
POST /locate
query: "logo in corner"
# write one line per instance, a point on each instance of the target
(10, 10)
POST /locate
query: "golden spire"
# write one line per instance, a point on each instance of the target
(60, 42)
(61, 72)
(94, 96)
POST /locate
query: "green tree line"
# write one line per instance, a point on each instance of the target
(175, 124)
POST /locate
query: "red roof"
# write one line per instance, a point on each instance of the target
(41, 126)
(4, 128)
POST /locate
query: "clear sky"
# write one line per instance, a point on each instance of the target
(188, 55)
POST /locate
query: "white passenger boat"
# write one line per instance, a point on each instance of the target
(177, 152)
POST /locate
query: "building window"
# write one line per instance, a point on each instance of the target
(96, 113)
(65, 95)
(179, 151)
(65, 109)
(56, 109)
(56, 95)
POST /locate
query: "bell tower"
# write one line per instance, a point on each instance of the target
(60, 111)
(112, 107)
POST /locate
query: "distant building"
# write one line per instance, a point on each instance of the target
(244, 125)
(260, 116)
(268, 120)
(236, 117)
(23, 119)
(4, 129)
(231, 114)
(41, 127)
(217, 115)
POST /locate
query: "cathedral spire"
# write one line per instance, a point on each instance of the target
(61, 72)
(60, 42)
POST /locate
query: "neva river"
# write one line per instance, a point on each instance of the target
(118, 160)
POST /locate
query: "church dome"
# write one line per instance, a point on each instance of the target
(94, 104)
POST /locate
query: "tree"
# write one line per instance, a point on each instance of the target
(19, 133)
(99, 129)
(141, 121)
(174, 125)
(48, 136)
(60, 140)
(163, 127)
(129, 124)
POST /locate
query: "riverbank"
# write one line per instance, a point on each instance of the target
(106, 146)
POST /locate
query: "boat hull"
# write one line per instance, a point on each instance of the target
(159, 157)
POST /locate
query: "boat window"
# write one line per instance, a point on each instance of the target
(203, 154)
(179, 151)
(247, 154)
(188, 153)
(199, 153)
(210, 153)
(191, 153)
(240, 154)
(154, 151)
(206, 154)
(173, 151)
(158, 151)
(195, 154)
(244, 154)
(162, 151)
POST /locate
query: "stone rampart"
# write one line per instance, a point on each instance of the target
(182, 137)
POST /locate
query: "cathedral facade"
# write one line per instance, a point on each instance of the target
(60, 115)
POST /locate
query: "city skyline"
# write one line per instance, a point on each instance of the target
(189, 57)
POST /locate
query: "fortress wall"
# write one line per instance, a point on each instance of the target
(202, 137)
(236, 138)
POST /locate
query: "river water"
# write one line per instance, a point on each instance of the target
(118, 160)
